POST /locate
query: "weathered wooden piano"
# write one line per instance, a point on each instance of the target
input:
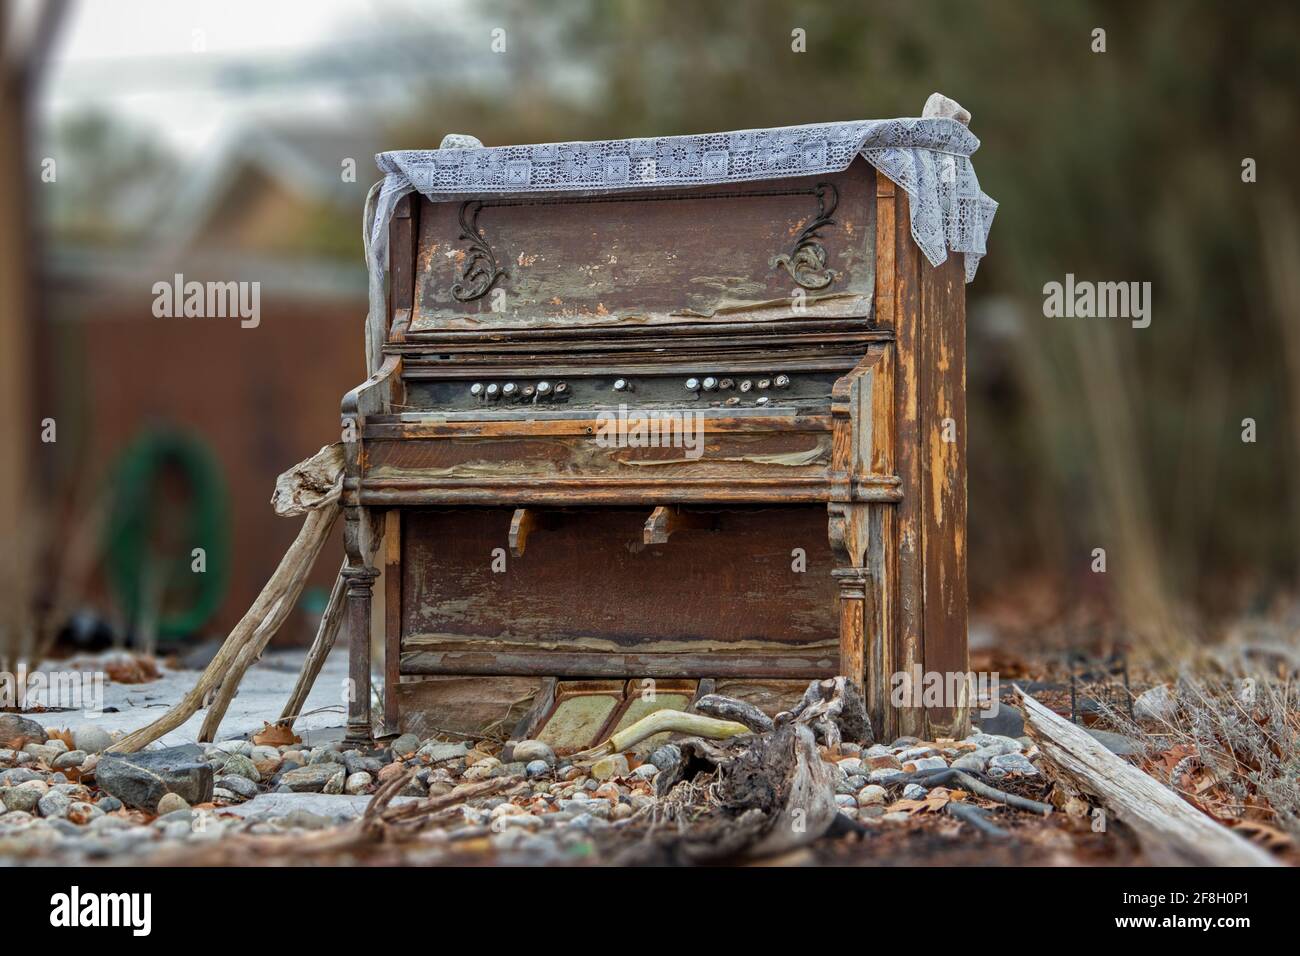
(688, 407)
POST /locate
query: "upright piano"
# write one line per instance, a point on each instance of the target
(704, 430)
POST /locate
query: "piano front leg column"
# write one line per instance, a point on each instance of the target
(855, 588)
(360, 579)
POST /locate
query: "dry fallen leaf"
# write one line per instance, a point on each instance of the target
(65, 735)
(275, 735)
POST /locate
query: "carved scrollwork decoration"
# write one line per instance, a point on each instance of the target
(480, 270)
(806, 262)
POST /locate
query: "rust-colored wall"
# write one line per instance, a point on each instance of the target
(262, 398)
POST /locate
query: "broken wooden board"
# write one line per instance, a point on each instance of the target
(1168, 827)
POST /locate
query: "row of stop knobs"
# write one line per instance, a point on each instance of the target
(711, 384)
(511, 392)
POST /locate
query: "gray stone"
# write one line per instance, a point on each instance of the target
(238, 765)
(357, 782)
(849, 766)
(1155, 704)
(929, 763)
(237, 786)
(140, 780)
(45, 753)
(405, 745)
(91, 738)
(15, 725)
(357, 762)
(669, 755)
(540, 768)
(325, 755)
(20, 799)
(242, 747)
(309, 779)
(995, 744)
(109, 803)
(646, 771)
(914, 791)
(436, 752)
(871, 795)
(1117, 744)
(884, 774)
(845, 800)
(73, 758)
(335, 783)
(337, 809)
(1013, 763)
(969, 762)
(607, 768)
(1007, 721)
(171, 802)
(529, 750)
(54, 804)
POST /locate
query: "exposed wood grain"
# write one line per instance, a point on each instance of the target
(908, 581)
(524, 663)
(942, 356)
(392, 577)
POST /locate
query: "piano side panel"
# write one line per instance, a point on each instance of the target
(587, 598)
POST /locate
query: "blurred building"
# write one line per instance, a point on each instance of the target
(274, 205)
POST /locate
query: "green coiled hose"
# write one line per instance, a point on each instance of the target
(186, 599)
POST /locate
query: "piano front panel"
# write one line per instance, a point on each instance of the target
(587, 598)
(755, 252)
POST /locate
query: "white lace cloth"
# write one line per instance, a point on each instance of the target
(928, 158)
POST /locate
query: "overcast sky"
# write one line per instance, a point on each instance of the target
(193, 68)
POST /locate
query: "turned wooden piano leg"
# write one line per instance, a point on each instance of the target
(854, 585)
(360, 579)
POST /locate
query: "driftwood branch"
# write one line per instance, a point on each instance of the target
(310, 485)
(321, 476)
(663, 721)
(326, 634)
(1167, 826)
(286, 586)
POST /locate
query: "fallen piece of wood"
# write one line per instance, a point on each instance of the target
(326, 634)
(1169, 828)
(835, 711)
(314, 483)
(948, 777)
(314, 532)
(663, 721)
(976, 817)
(729, 708)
